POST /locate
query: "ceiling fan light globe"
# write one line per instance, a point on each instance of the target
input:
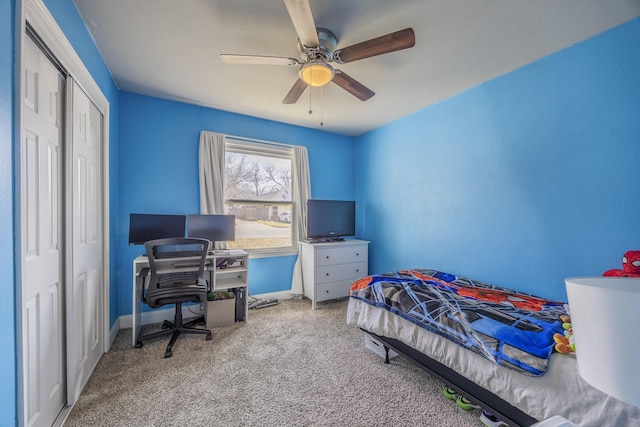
(317, 73)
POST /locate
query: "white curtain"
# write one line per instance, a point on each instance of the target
(211, 161)
(302, 193)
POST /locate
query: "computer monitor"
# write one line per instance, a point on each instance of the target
(145, 227)
(215, 228)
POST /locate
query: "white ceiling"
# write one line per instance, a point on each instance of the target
(169, 49)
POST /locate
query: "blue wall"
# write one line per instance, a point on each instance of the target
(158, 173)
(8, 362)
(521, 181)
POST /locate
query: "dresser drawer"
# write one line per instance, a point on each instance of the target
(333, 273)
(341, 255)
(333, 290)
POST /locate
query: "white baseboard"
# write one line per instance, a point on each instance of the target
(113, 332)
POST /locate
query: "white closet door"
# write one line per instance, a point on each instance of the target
(41, 238)
(86, 286)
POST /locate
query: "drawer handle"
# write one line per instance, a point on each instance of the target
(327, 256)
(357, 271)
(327, 274)
(357, 254)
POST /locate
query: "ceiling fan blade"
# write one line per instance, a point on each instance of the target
(257, 60)
(295, 92)
(391, 42)
(352, 86)
(300, 12)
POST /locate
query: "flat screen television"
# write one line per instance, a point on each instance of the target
(145, 227)
(214, 228)
(330, 220)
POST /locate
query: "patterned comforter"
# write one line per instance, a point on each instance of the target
(510, 328)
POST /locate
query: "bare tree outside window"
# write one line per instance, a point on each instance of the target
(258, 192)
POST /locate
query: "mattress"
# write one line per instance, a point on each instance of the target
(560, 391)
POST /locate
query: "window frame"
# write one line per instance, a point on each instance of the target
(266, 149)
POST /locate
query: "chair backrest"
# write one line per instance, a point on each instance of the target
(182, 256)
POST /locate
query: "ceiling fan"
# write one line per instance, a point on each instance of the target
(318, 48)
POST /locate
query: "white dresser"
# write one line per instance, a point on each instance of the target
(328, 269)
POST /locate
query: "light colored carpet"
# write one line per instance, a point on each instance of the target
(286, 366)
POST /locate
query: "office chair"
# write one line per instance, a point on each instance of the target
(179, 279)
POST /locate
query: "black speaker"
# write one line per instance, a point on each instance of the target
(241, 303)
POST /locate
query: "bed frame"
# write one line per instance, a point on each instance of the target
(470, 390)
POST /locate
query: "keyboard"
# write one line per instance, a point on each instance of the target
(178, 254)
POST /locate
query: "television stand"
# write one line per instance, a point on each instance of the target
(329, 268)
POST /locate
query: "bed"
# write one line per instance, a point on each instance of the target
(460, 330)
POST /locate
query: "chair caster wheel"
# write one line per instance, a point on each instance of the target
(209, 336)
(167, 354)
(138, 344)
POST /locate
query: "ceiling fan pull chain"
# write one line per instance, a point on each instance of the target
(310, 90)
(321, 105)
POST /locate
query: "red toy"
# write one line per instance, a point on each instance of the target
(630, 266)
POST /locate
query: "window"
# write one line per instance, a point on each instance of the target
(257, 190)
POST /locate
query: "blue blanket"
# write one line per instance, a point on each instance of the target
(510, 328)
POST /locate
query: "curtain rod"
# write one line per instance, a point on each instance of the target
(261, 141)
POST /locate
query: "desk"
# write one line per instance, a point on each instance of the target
(231, 277)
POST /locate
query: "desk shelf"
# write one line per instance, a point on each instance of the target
(225, 278)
